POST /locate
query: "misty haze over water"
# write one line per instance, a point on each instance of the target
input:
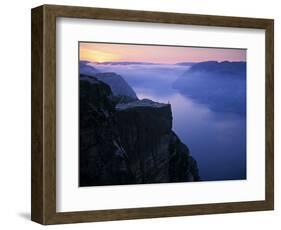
(214, 133)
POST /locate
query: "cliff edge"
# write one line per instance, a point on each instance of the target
(128, 143)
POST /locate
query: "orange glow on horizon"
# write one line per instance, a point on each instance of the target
(110, 52)
(97, 55)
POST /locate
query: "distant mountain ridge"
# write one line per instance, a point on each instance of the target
(220, 85)
(186, 63)
(225, 67)
(86, 68)
(140, 63)
(118, 85)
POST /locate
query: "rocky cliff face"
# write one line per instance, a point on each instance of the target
(119, 87)
(86, 68)
(130, 143)
(102, 159)
(155, 153)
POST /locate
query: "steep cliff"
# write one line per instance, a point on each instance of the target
(155, 153)
(86, 68)
(102, 159)
(129, 143)
(119, 87)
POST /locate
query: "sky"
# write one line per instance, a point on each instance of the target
(104, 52)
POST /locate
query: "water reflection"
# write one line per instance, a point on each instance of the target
(216, 139)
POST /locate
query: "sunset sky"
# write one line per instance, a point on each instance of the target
(103, 52)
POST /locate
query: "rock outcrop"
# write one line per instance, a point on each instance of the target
(102, 158)
(86, 68)
(155, 152)
(128, 143)
(119, 87)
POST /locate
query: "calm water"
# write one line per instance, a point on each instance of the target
(216, 139)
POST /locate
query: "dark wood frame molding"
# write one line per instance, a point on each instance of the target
(43, 200)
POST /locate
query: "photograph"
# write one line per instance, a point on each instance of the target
(141, 114)
(161, 114)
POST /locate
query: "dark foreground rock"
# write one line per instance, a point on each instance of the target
(129, 143)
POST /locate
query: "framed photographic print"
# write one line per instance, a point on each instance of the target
(140, 114)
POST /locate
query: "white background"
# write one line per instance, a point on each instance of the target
(15, 115)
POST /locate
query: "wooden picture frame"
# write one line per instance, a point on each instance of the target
(43, 208)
